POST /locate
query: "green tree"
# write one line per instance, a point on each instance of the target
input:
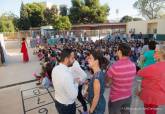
(50, 15)
(77, 3)
(126, 19)
(75, 11)
(137, 19)
(88, 11)
(31, 15)
(35, 14)
(92, 3)
(102, 14)
(11, 17)
(16, 22)
(6, 24)
(63, 10)
(63, 23)
(24, 22)
(85, 12)
(149, 8)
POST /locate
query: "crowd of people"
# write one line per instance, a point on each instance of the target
(82, 70)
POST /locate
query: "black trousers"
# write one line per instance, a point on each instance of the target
(65, 109)
(120, 107)
(81, 99)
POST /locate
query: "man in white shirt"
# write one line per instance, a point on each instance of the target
(66, 89)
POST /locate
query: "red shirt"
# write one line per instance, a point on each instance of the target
(153, 84)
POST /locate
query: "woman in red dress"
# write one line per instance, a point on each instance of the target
(24, 51)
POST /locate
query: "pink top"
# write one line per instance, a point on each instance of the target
(153, 84)
(122, 74)
(53, 58)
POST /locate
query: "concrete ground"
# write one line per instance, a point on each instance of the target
(35, 101)
(15, 71)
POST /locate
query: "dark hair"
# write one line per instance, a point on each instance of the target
(103, 62)
(23, 39)
(146, 41)
(65, 53)
(49, 68)
(125, 49)
(152, 45)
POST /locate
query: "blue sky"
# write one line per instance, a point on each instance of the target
(125, 7)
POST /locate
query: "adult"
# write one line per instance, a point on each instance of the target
(148, 56)
(66, 89)
(121, 76)
(153, 84)
(97, 85)
(24, 50)
(145, 46)
(2, 58)
(3, 52)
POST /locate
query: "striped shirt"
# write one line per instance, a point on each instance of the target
(122, 74)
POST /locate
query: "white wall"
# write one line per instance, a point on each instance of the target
(140, 26)
(152, 27)
(161, 26)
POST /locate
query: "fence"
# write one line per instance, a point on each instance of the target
(20, 34)
(48, 33)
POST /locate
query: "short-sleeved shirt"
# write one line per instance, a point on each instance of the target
(122, 74)
(149, 58)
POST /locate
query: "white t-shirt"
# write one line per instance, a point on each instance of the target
(78, 72)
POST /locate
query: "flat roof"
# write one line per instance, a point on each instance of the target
(95, 25)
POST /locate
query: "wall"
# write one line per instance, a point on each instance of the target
(152, 27)
(139, 26)
(161, 26)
